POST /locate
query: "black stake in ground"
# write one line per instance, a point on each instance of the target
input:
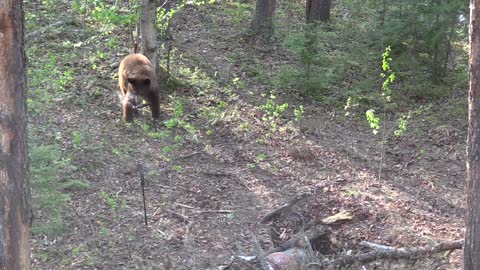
(142, 183)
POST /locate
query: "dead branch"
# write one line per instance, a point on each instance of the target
(43, 29)
(377, 247)
(298, 240)
(282, 209)
(178, 216)
(185, 206)
(390, 254)
(219, 174)
(261, 254)
(221, 211)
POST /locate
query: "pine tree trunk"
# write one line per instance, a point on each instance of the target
(148, 31)
(472, 235)
(436, 68)
(449, 47)
(382, 24)
(15, 207)
(318, 10)
(262, 24)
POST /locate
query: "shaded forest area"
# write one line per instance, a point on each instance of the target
(358, 124)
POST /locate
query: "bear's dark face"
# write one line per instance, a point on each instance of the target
(140, 87)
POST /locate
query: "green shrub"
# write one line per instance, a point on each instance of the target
(48, 200)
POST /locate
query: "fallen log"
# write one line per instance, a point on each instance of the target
(390, 253)
(43, 29)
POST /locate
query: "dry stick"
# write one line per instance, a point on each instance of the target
(218, 174)
(377, 247)
(185, 206)
(395, 254)
(221, 211)
(41, 30)
(261, 253)
(178, 216)
(142, 183)
(286, 207)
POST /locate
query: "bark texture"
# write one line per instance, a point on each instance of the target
(148, 31)
(15, 208)
(472, 235)
(318, 10)
(262, 24)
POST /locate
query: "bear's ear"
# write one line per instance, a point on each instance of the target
(132, 81)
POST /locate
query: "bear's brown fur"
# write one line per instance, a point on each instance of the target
(136, 77)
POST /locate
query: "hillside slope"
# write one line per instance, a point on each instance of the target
(226, 154)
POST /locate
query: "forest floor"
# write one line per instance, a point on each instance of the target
(220, 166)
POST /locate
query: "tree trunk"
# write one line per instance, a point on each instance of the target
(318, 10)
(262, 24)
(449, 46)
(15, 207)
(382, 24)
(148, 31)
(167, 35)
(436, 68)
(472, 235)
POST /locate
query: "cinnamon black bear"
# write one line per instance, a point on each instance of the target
(137, 78)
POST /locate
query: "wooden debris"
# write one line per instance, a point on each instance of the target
(178, 216)
(282, 209)
(340, 216)
(261, 253)
(314, 235)
(389, 254)
(377, 247)
(220, 211)
(43, 29)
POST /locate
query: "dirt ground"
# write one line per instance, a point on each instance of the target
(206, 195)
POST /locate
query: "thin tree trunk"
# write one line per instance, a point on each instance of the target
(262, 24)
(472, 235)
(382, 23)
(148, 31)
(167, 36)
(15, 207)
(436, 68)
(318, 10)
(449, 48)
